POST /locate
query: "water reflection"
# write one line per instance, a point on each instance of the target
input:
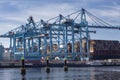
(23, 78)
(88, 73)
(81, 74)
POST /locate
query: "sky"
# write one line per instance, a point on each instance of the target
(14, 13)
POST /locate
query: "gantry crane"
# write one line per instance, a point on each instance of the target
(35, 40)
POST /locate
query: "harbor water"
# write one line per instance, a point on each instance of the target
(81, 73)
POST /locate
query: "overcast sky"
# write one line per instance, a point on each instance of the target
(14, 13)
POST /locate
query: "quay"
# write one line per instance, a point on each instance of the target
(61, 64)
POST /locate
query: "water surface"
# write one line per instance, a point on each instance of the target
(82, 73)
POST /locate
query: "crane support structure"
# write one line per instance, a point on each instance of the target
(55, 37)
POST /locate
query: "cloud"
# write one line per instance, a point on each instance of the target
(50, 11)
(108, 14)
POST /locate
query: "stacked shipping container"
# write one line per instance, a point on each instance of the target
(99, 49)
(104, 49)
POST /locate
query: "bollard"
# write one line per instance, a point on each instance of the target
(47, 66)
(47, 62)
(23, 70)
(65, 65)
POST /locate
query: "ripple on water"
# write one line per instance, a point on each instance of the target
(84, 73)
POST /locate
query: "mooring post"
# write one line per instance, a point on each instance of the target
(47, 66)
(23, 70)
(65, 65)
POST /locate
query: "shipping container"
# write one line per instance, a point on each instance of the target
(104, 49)
(69, 49)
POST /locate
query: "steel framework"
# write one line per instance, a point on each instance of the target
(36, 40)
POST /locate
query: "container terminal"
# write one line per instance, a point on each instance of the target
(62, 37)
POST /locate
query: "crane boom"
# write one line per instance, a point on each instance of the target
(104, 27)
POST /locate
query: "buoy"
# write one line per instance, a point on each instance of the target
(47, 66)
(23, 70)
(65, 65)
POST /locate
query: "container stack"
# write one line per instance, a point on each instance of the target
(104, 49)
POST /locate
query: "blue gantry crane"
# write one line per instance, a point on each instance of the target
(55, 37)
